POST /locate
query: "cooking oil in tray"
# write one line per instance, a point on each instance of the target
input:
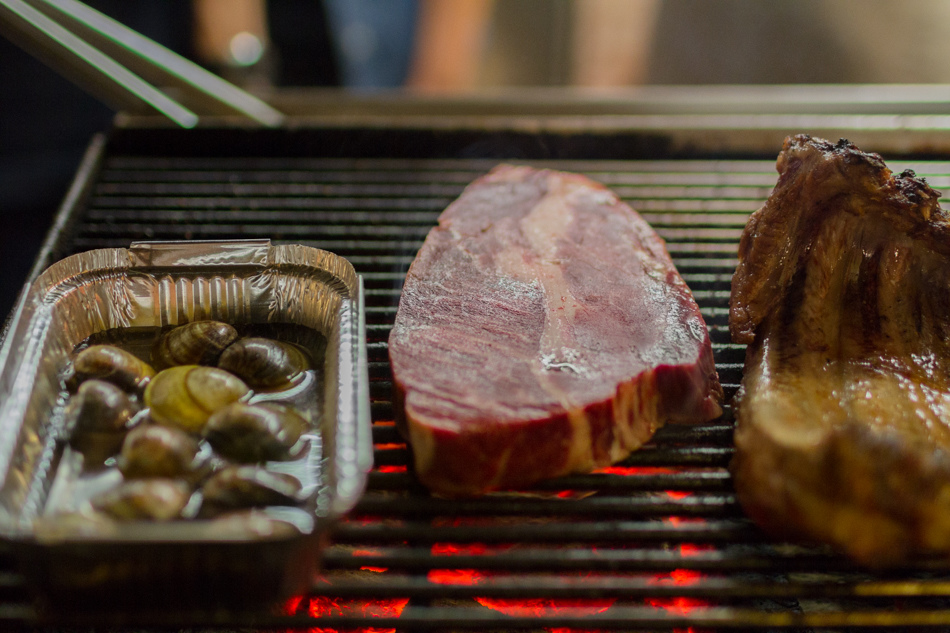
(171, 440)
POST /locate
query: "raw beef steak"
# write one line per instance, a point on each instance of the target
(542, 330)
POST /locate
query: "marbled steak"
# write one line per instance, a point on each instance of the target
(542, 330)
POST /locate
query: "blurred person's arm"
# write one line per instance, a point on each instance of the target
(612, 41)
(450, 38)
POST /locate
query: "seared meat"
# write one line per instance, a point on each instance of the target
(842, 294)
(542, 330)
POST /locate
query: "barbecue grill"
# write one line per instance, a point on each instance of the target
(657, 542)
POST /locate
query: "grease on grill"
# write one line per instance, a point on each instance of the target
(167, 445)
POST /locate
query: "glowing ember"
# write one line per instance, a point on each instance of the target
(527, 607)
(363, 519)
(290, 607)
(474, 549)
(693, 549)
(633, 471)
(320, 606)
(369, 552)
(456, 576)
(513, 607)
(630, 471)
(677, 495)
(377, 570)
(547, 606)
(677, 577)
(677, 606)
(685, 576)
(678, 521)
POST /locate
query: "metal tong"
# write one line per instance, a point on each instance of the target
(120, 66)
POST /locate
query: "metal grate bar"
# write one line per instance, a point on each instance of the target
(728, 530)
(592, 587)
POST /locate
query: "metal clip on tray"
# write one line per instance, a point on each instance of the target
(121, 67)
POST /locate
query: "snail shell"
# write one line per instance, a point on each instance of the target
(154, 499)
(264, 363)
(158, 451)
(195, 343)
(99, 406)
(250, 433)
(246, 486)
(113, 364)
(186, 396)
(97, 418)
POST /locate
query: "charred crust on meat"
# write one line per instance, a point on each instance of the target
(843, 150)
(917, 191)
(837, 176)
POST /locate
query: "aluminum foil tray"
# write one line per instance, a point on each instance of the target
(182, 563)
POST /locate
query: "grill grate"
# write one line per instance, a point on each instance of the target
(657, 542)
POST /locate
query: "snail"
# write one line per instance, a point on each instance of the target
(249, 433)
(153, 499)
(97, 418)
(195, 343)
(264, 363)
(112, 364)
(187, 395)
(99, 406)
(249, 486)
(158, 451)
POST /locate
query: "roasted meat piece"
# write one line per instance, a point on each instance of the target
(842, 294)
(542, 330)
